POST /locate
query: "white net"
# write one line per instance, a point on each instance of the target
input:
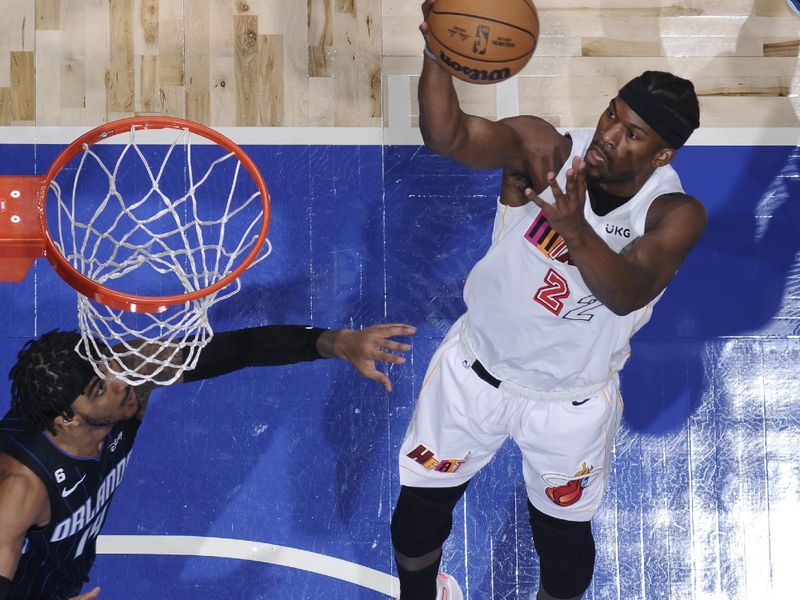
(153, 219)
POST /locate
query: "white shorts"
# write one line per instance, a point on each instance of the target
(460, 421)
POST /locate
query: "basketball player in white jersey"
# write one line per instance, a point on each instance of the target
(590, 228)
(66, 442)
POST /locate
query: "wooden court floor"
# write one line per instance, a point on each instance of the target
(326, 63)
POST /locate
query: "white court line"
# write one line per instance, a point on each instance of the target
(399, 131)
(398, 134)
(187, 545)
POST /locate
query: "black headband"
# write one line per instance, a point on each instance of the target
(76, 374)
(664, 121)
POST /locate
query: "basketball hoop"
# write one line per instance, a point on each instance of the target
(152, 220)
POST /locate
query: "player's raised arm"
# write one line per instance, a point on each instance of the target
(272, 345)
(517, 144)
(476, 142)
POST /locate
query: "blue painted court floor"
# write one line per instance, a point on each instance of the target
(703, 502)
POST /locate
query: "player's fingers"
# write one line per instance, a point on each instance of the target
(396, 346)
(581, 181)
(385, 382)
(534, 197)
(394, 329)
(558, 194)
(571, 187)
(395, 359)
(370, 372)
(575, 178)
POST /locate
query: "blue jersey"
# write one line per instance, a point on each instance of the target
(56, 559)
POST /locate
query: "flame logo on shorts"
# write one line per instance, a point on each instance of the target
(566, 490)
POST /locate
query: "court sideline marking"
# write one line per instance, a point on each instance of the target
(215, 547)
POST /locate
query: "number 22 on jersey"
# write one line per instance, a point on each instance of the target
(553, 293)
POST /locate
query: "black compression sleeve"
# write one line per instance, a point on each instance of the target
(255, 347)
(5, 587)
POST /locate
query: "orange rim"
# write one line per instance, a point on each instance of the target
(132, 302)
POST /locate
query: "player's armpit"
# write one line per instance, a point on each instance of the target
(23, 504)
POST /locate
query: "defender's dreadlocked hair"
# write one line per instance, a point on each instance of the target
(47, 378)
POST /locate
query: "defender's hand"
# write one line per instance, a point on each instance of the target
(566, 213)
(362, 348)
(90, 595)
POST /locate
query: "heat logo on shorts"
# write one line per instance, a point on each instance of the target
(427, 458)
(547, 240)
(566, 490)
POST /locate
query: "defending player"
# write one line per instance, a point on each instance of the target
(65, 443)
(590, 228)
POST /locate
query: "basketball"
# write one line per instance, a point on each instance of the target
(483, 41)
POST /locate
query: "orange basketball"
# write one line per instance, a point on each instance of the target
(483, 41)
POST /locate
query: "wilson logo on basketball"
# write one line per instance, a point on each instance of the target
(566, 490)
(475, 74)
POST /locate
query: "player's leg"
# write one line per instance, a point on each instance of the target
(566, 555)
(422, 520)
(566, 448)
(452, 435)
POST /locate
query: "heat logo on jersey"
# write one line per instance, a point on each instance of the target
(427, 458)
(566, 490)
(549, 242)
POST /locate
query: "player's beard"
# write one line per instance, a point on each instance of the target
(101, 423)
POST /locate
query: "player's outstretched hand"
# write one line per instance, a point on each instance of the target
(363, 347)
(90, 595)
(566, 213)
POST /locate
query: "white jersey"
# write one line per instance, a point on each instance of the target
(531, 320)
